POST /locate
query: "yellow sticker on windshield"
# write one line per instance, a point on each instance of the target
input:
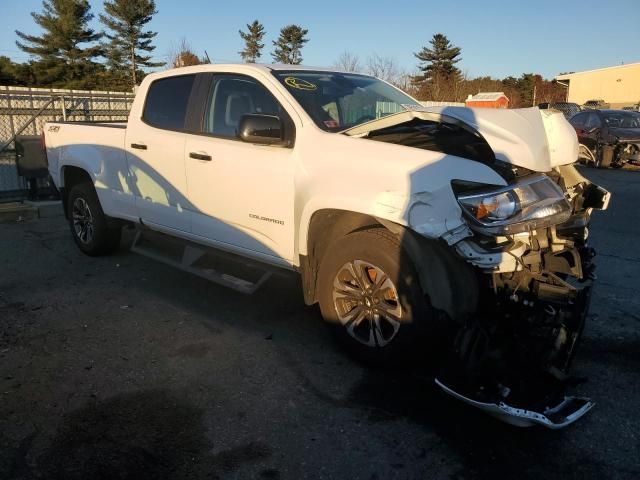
(300, 84)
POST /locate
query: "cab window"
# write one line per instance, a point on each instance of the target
(233, 96)
(167, 101)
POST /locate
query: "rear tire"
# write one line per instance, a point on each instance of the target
(89, 225)
(370, 296)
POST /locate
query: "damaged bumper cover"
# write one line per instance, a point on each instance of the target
(569, 410)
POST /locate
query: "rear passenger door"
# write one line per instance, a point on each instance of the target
(242, 193)
(155, 154)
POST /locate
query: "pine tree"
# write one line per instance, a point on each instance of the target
(289, 45)
(126, 20)
(252, 39)
(438, 62)
(61, 58)
(7, 71)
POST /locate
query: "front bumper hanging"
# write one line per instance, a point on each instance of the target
(569, 410)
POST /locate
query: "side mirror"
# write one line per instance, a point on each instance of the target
(261, 129)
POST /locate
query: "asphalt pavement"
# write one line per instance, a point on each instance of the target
(123, 368)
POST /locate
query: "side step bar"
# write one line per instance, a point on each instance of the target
(225, 269)
(559, 416)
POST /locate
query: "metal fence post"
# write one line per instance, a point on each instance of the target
(64, 109)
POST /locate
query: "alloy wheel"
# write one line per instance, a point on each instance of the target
(367, 304)
(82, 220)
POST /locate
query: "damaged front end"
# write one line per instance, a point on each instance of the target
(530, 243)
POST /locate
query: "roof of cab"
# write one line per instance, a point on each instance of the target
(237, 67)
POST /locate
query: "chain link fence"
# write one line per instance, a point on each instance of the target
(24, 111)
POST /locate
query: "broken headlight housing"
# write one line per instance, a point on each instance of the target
(533, 202)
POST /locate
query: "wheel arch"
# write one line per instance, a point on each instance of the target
(450, 283)
(324, 227)
(71, 175)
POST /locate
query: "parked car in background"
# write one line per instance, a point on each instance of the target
(608, 137)
(568, 109)
(594, 104)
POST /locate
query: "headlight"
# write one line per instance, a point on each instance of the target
(534, 202)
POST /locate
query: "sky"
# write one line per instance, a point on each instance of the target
(498, 38)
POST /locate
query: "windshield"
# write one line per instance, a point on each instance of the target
(337, 101)
(622, 120)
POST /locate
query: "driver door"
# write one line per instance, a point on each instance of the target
(242, 193)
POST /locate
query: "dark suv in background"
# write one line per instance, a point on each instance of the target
(608, 137)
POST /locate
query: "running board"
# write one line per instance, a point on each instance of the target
(565, 413)
(216, 266)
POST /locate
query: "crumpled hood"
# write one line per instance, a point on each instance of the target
(535, 139)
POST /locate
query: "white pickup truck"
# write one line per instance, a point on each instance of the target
(411, 227)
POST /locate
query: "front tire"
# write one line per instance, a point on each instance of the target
(370, 296)
(89, 225)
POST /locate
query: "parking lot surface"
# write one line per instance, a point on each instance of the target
(120, 367)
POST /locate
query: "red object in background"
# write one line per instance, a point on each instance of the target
(488, 100)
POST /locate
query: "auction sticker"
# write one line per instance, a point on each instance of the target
(300, 84)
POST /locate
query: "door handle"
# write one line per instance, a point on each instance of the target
(139, 146)
(200, 156)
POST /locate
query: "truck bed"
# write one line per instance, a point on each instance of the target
(97, 148)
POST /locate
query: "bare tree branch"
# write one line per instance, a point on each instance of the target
(348, 62)
(385, 68)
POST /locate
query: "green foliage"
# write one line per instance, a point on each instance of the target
(524, 86)
(252, 38)
(438, 62)
(7, 71)
(128, 41)
(289, 45)
(66, 50)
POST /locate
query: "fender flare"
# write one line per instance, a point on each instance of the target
(448, 280)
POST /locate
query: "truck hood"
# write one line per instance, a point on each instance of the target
(531, 138)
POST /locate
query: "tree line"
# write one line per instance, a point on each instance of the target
(441, 80)
(70, 54)
(438, 77)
